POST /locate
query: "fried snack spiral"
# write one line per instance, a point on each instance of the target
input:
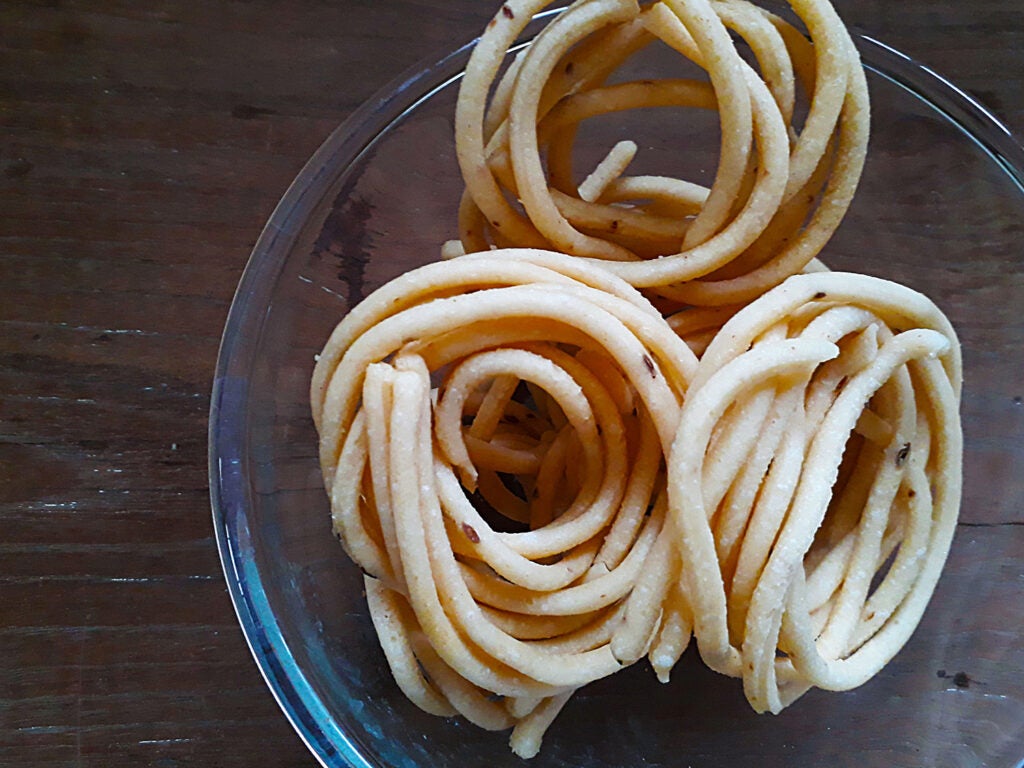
(815, 482)
(781, 188)
(492, 438)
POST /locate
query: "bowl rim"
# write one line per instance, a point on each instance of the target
(228, 437)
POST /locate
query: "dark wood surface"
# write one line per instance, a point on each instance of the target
(142, 147)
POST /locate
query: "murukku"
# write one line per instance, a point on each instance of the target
(492, 437)
(782, 184)
(815, 482)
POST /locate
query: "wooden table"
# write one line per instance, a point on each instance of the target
(143, 147)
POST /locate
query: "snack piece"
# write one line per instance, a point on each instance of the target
(492, 438)
(815, 482)
(782, 185)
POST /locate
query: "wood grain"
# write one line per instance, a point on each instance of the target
(143, 147)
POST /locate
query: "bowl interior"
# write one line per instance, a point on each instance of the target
(940, 208)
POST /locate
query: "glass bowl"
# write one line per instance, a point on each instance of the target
(940, 208)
